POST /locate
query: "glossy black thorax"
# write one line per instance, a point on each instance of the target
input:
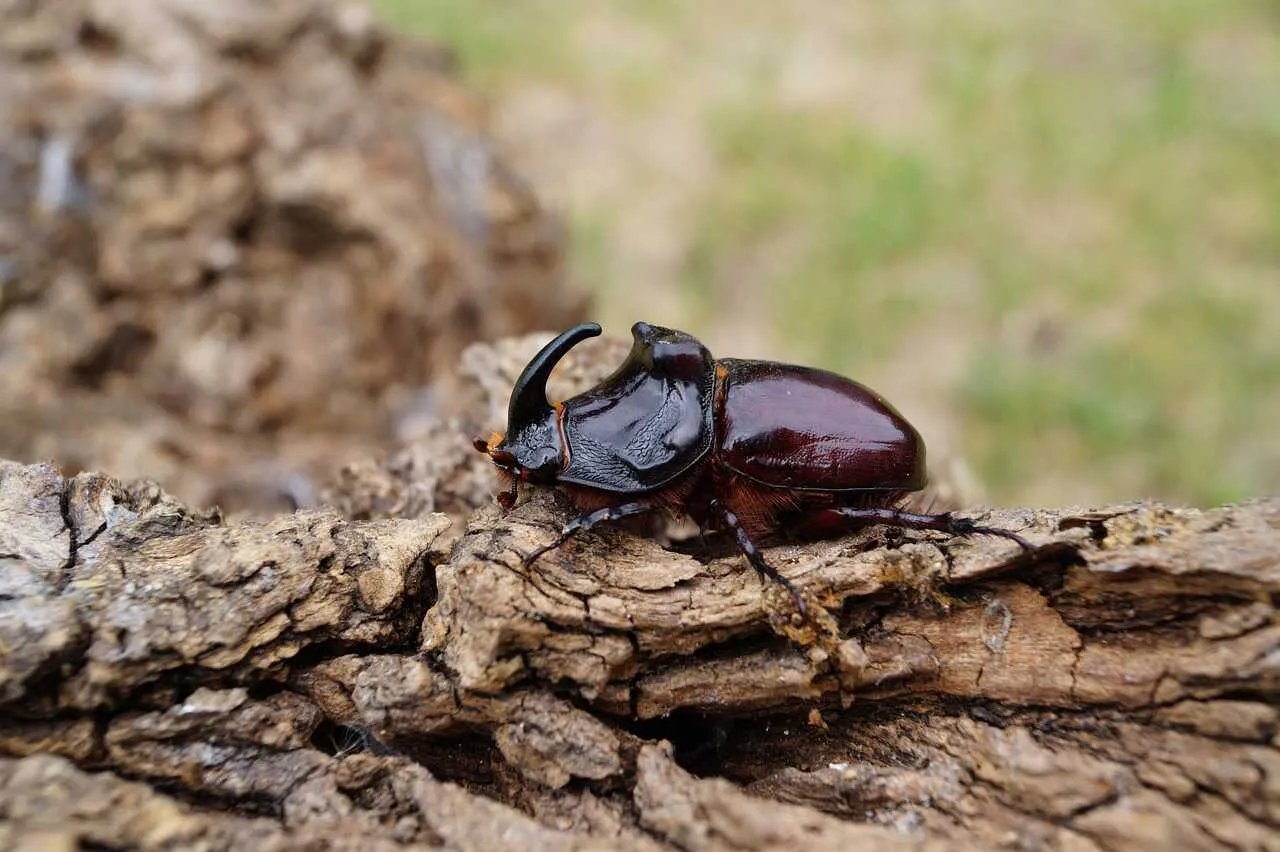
(649, 422)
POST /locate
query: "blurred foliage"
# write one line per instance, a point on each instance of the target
(1063, 219)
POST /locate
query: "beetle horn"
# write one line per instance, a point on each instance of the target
(529, 397)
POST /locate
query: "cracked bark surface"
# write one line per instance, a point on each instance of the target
(170, 680)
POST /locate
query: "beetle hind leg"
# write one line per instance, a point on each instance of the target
(847, 517)
(754, 556)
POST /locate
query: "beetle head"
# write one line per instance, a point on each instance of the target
(533, 448)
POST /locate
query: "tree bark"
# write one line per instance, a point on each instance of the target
(168, 680)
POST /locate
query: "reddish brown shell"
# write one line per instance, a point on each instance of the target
(810, 430)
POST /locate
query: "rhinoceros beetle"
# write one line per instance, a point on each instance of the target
(753, 447)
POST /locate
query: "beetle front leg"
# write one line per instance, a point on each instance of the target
(846, 517)
(586, 522)
(753, 554)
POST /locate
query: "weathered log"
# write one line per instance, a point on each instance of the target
(316, 679)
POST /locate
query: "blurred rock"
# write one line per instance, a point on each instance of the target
(239, 240)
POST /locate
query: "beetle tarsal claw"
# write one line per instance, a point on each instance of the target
(1013, 536)
(801, 606)
(533, 557)
(967, 527)
(546, 548)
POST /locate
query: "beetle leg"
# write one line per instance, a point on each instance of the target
(753, 554)
(945, 522)
(586, 522)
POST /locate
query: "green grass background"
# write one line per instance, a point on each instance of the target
(1051, 230)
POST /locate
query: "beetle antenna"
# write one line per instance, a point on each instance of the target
(508, 498)
(529, 396)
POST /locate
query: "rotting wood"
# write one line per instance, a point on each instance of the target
(307, 676)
